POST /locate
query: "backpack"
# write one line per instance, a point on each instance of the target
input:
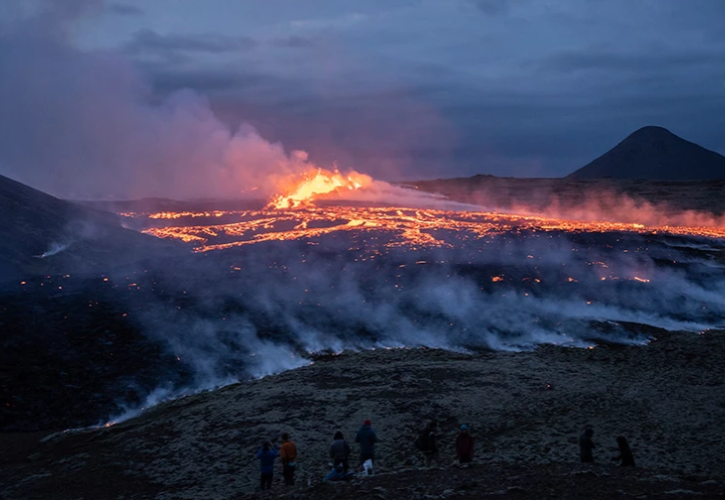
(422, 442)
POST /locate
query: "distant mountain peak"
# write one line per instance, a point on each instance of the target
(654, 152)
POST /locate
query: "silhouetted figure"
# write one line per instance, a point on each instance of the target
(340, 452)
(288, 455)
(426, 443)
(367, 438)
(464, 446)
(586, 445)
(625, 453)
(266, 456)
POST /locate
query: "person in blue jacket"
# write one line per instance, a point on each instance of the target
(367, 439)
(266, 456)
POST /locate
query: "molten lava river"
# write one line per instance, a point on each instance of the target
(310, 275)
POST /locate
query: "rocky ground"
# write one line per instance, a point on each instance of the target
(525, 409)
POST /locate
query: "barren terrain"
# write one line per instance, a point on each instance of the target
(526, 410)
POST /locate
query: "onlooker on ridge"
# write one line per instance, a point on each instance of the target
(586, 445)
(288, 455)
(266, 456)
(625, 453)
(464, 446)
(340, 452)
(367, 438)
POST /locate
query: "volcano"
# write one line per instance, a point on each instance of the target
(658, 154)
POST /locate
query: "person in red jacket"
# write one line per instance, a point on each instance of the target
(464, 446)
(288, 454)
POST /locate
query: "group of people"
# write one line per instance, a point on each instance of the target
(426, 442)
(586, 448)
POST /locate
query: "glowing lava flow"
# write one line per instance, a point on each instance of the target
(318, 183)
(390, 227)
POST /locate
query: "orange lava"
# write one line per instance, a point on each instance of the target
(402, 227)
(316, 183)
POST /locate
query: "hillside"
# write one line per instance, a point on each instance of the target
(525, 410)
(41, 234)
(655, 153)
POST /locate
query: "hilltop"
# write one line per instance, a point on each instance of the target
(655, 153)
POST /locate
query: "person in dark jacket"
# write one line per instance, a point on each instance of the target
(340, 452)
(586, 445)
(625, 453)
(266, 456)
(430, 444)
(367, 438)
(464, 446)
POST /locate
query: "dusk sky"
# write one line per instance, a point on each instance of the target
(398, 89)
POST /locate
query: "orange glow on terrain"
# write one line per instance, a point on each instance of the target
(401, 227)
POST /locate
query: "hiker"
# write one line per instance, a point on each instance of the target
(426, 443)
(625, 453)
(464, 446)
(586, 445)
(266, 456)
(367, 439)
(340, 452)
(288, 455)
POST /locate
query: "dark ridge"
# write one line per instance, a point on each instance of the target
(42, 234)
(655, 153)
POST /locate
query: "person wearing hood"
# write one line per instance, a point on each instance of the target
(625, 452)
(464, 446)
(340, 452)
(266, 456)
(367, 438)
(586, 445)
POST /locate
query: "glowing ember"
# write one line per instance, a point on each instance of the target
(317, 183)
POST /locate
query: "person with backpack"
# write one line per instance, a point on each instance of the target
(266, 456)
(288, 456)
(426, 443)
(464, 446)
(367, 438)
(340, 452)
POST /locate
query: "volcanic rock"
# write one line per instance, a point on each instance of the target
(655, 153)
(41, 234)
(203, 446)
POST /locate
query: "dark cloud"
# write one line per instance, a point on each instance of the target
(295, 42)
(148, 42)
(493, 7)
(635, 61)
(124, 9)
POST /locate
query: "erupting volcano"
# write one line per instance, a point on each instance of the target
(314, 184)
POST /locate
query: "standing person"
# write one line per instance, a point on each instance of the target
(427, 443)
(266, 456)
(288, 455)
(625, 453)
(340, 452)
(367, 438)
(464, 446)
(586, 445)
